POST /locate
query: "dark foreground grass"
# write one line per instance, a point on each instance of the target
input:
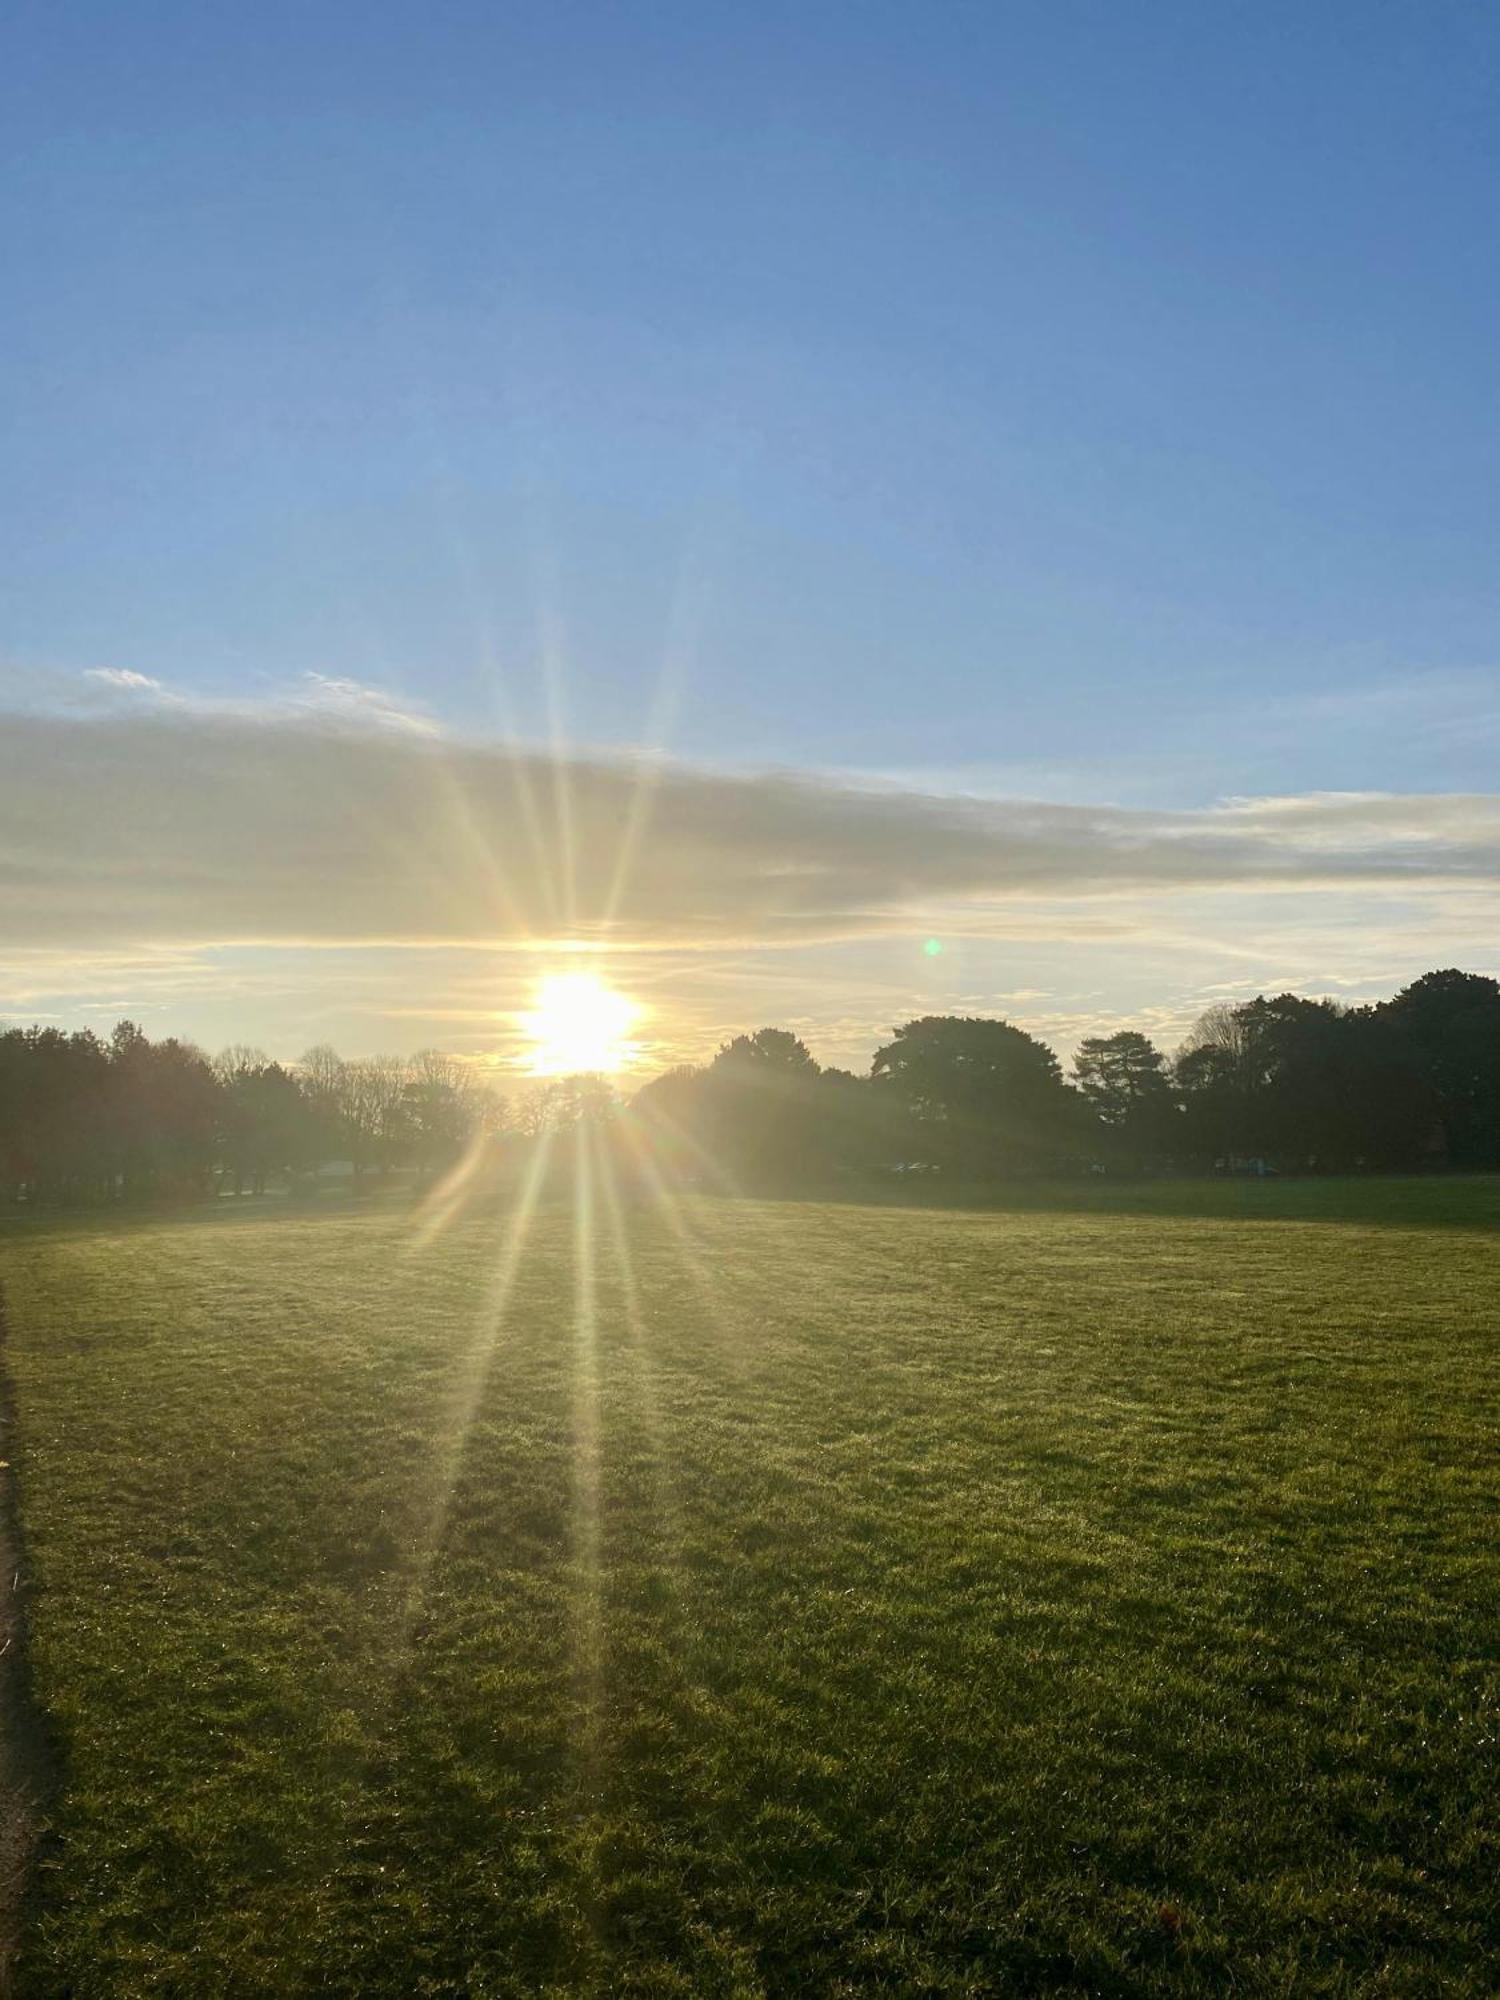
(783, 1599)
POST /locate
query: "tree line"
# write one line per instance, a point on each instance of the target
(1273, 1084)
(1284, 1083)
(85, 1120)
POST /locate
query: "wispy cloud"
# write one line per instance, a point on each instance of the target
(125, 680)
(322, 694)
(333, 697)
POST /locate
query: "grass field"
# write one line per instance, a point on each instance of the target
(1100, 1596)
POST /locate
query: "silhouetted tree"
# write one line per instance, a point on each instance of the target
(56, 1117)
(1306, 1084)
(375, 1115)
(266, 1124)
(445, 1106)
(1449, 1024)
(982, 1097)
(769, 1052)
(1123, 1078)
(1392, 1111)
(670, 1123)
(565, 1102)
(163, 1105)
(854, 1131)
(759, 1109)
(324, 1085)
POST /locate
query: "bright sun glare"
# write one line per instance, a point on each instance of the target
(578, 1026)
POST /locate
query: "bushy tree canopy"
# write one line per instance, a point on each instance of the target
(982, 1096)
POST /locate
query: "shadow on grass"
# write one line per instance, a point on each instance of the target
(333, 1204)
(1434, 1201)
(31, 1755)
(1431, 1201)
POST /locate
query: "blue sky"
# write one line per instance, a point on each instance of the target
(1090, 403)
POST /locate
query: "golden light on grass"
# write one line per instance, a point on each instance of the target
(579, 1026)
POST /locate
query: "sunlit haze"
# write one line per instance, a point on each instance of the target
(578, 1026)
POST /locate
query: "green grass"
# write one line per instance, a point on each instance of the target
(825, 1599)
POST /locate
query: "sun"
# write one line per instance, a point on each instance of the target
(578, 1026)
